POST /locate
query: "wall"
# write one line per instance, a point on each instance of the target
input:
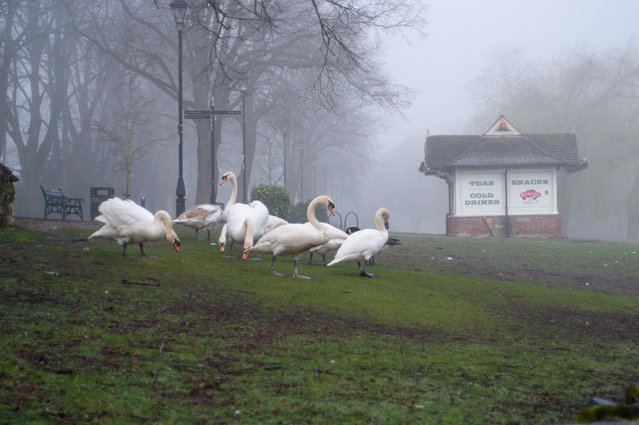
(520, 226)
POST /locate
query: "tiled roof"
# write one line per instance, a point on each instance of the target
(444, 153)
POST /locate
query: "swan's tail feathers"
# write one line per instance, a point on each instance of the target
(101, 219)
(260, 247)
(97, 234)
(347, 257)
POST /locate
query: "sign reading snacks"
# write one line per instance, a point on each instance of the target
(531, 192)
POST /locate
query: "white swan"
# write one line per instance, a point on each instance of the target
(295, 238)
(336, 235)
(202, 216)
(126, 222)
(274, 221)
(244, 223)
(360, 246)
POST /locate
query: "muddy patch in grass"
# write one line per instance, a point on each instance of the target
(572, 323)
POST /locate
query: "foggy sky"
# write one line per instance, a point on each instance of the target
(462, 36)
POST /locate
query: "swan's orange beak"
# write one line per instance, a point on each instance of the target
(331, 208)
(245, 254)
(222, 180)
(176, 245)
(386, 225)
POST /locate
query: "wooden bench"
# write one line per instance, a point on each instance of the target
(56, 202)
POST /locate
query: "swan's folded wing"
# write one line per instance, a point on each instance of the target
(120, 213)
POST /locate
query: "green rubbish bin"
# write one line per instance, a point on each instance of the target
(99, 195)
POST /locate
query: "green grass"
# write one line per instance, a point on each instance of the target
(450, 331)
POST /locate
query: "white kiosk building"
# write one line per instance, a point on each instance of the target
(502, 183)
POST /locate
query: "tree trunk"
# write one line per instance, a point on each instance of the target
(632, 210)
(8, 55)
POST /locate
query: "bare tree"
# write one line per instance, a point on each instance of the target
(595, 95)
(224, 39)
(127, 131)
(10, 40)
(37, 93)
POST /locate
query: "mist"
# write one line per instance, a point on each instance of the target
(349, 123)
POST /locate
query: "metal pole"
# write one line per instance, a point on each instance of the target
(244, 181)
(180, 191)
(213, 182)
(507, 223)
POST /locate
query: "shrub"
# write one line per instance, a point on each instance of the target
(275, 198)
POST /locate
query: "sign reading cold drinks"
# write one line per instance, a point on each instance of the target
(480, 193)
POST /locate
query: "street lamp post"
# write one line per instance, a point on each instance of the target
(178, 8)
(243, 86)
(213, 199)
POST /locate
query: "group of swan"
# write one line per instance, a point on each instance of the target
(126, 222)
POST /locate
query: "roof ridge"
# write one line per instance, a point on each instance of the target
(467, 150)
(544, 151)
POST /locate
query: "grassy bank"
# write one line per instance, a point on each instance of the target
(450, 331)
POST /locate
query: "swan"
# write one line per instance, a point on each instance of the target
(244, 222)
(202, 216)
(363, 244)
(274, 221)
(126, 222)
(337, 236)
(389, 242)
(295, 238)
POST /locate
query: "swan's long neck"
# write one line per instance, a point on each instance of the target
(248, 235)
(379, 220)
(310, 213)
(169, 233)
(233, 196)
(165, 219)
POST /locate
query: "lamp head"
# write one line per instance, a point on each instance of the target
(178, 9)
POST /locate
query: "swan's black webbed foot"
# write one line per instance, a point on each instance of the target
(276, 273)
(362, 270)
